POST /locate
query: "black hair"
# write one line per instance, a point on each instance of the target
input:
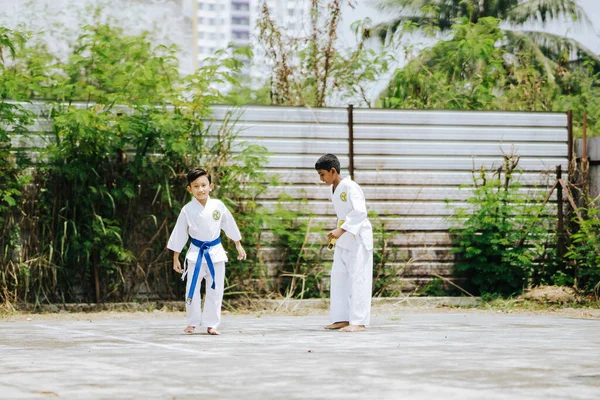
(327, 162)
(195, 174)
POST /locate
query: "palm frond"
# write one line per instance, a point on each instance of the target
(543, 11)
(557, 46)
(385, 29)
(414, 6)
(518, 42)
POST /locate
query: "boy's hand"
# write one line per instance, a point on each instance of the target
(177, 266)
(241, 251)
(335, 234)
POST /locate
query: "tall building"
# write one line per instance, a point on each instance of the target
(221, 22)
(224, 22)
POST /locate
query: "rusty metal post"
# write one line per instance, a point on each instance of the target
(585, 136)
(585, 163)
(561, 245)
(571, 168)
(351, 141)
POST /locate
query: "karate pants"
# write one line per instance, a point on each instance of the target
(351, 285)
(211, 316)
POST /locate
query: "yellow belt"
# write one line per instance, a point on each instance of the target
(331, 243)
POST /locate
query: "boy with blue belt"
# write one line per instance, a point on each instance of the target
(202, 219)
(352, 270)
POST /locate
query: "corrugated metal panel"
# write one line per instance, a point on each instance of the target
(286, 114)
(408, 193)
(459, 118)
(410, 148)
(442, 163)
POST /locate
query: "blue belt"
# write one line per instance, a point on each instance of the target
(203, 253)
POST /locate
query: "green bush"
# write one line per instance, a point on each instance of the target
(14, 120)
(497, 240)
(126, 128)
(300, 270)
(584, 251)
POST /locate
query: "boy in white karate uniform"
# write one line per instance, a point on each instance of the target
(202, 219)
(352, 270)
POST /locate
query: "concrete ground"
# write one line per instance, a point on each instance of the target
(432, 355)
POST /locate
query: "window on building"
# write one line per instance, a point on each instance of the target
(200, 35)
(241, 6)
(201, 20)
(211, 21)
(212, 35)
(240, 20)
(241, 34)
(211, 7)
(200, 6)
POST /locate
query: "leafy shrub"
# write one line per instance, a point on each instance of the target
(584, 251)
(495, 240)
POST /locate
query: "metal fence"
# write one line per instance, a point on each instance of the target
(410, 165)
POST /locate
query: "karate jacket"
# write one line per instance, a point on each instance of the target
(205, 224)
(349, 204)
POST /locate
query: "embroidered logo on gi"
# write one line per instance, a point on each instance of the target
(343, 196)
(216, 215)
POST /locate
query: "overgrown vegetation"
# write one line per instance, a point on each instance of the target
(584, 251)
(502, 237)
(470, 71)
(297, 256)
(308, 68)
(14, 120)
(111, 180)
(387, 267)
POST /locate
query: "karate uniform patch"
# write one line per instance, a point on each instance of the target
(343, 196)
(216, 215)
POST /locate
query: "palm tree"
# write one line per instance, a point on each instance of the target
(548, 49)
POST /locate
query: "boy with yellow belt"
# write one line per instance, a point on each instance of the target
(352, 270)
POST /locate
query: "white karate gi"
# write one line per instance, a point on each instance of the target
(352, 271)
(205, 224)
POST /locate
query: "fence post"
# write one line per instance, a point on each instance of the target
(351, 140)
(561, 248)
(585, 163)
(572, 162)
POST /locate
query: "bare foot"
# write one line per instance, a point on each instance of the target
(337, 325)
(353, 328)
(213, 331)
(190, 329)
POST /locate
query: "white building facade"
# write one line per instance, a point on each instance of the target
(224, 22)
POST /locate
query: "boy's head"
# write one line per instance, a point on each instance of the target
(327, 162)
(195, 174)
(199, 184)
(328, 168)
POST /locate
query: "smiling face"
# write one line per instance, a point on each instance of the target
(200, 188)
(327, 177)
